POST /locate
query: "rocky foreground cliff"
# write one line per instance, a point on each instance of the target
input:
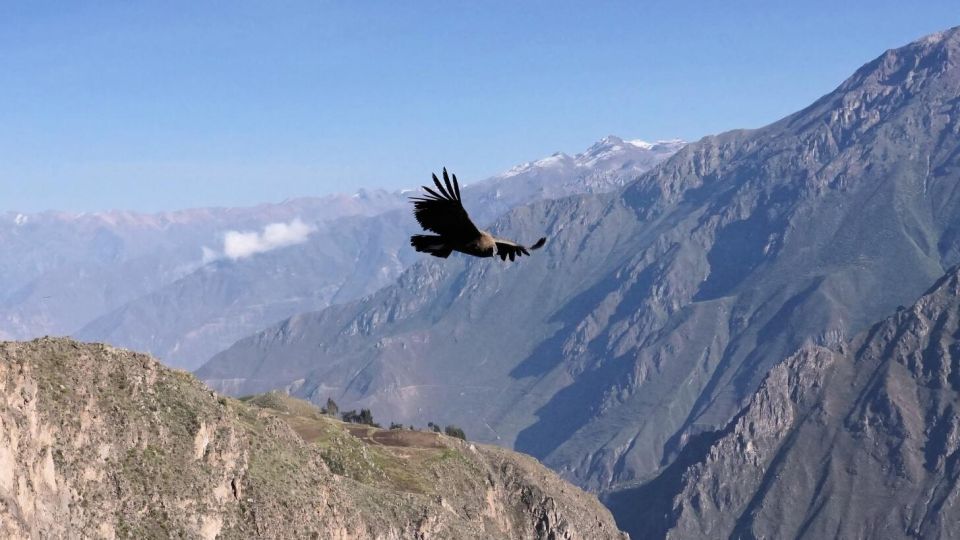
(97, 442)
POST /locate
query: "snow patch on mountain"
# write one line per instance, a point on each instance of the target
(634, 154)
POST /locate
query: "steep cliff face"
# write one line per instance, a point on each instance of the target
(653, 314)
(101, 442)
(863, 442)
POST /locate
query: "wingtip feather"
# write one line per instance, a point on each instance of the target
(440, 186)
(446, 180)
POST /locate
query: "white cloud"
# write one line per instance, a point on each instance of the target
(237, 244)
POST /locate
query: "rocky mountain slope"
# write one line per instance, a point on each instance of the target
(653, 314)
(188, 320)
(859, 442)
(101, 442)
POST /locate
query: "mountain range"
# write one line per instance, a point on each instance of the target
(60, 270)
(185, 285)
(656, 311)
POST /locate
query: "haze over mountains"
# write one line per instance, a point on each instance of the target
(60, 270)
(654, 312)
(185, 285)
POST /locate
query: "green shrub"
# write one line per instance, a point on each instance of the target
(454, 431)
(363, 417)
(331, 408)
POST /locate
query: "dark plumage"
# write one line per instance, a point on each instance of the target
(441, 211)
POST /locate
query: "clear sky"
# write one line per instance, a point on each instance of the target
(163, 105)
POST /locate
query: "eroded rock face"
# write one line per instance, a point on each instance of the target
(97, 442)
(863, 442)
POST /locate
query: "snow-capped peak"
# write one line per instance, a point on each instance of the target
(610, 149)
(556, 159)
(641, 144)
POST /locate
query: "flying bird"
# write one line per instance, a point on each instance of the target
(442, 212)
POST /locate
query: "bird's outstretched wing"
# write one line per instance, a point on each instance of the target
(506, 248)
(442, 212)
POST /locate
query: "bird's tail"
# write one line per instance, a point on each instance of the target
(432, 244)
(539, 243)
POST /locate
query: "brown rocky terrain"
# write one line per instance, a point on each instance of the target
(98, 442)
(858, 442)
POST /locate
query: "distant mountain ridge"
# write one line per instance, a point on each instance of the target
(609, 164)
(59, 270)
(364, 201)
(654, 313)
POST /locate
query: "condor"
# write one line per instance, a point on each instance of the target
(442, 212)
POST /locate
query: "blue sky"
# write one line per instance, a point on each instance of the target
(162, 105)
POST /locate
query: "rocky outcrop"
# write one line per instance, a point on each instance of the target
(97, 442)
(863, 442)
